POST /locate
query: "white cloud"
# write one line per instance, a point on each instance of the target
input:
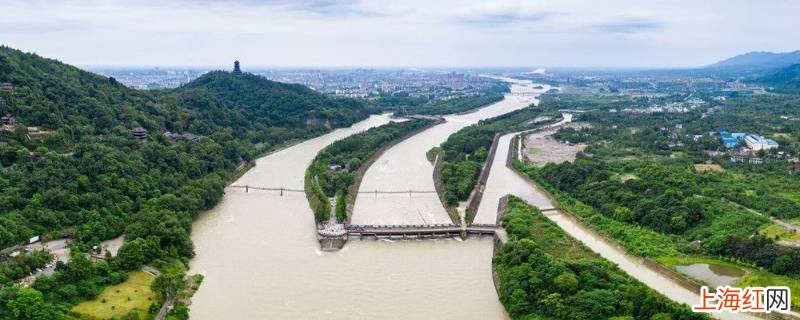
(397, 33)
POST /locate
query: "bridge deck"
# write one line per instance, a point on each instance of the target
(419, 231)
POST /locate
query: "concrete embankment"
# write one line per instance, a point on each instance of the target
(334, 242)
(352, 191)
(405, 167)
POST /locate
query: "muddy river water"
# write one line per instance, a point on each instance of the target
(261, 259)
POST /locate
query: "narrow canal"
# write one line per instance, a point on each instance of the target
(503, 180)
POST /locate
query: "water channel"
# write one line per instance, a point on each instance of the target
(261, 259)
(405, 167)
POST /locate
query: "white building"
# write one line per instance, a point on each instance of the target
(757, 142)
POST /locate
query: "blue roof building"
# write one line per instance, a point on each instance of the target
(730, 142)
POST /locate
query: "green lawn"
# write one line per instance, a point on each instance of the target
(116, 301)
(759, 278)
(774, 231)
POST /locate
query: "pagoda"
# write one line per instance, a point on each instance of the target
(236, 70)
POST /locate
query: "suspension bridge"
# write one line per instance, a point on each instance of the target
(247, 188)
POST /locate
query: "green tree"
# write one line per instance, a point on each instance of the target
(29, 304)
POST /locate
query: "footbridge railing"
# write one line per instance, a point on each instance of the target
(247, 188)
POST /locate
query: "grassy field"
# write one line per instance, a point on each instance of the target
(777, 232)
(556, 242)
(701, 167)
(116, 301)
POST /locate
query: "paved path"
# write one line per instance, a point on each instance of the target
(165, 308)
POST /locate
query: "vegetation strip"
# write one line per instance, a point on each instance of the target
(405, 105)
(335, 168)
(543, 272)
(353, 189)
(465, 159)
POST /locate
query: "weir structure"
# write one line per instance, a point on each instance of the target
(423, 231)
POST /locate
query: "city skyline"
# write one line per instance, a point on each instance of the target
(347, 33)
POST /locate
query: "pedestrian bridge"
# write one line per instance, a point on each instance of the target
(524, 94)
(247, 188)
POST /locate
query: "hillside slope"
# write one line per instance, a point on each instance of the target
(264, 110)
(785, 80)
(84, 121)
(82, 173)
(762, 60)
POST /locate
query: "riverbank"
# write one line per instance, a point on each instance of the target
(655, 275)
(362, 170)
(476, 196)
(332, 171)
(405, 167)
(563, 270)
(261, 259)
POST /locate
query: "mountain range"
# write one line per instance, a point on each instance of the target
(760, 60)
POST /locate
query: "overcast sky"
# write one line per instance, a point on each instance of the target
(424, 33)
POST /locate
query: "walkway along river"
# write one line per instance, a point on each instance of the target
(261, 259)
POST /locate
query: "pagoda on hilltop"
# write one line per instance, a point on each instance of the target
(236, 70)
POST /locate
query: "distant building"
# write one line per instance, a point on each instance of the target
(9, 120)
(696, 101)
(34, 133)
(188, 136)
(730, 142)
(139, 133)
(738, 158)
(756, 160)
(757, 142)
(7, 87)
(236, 70)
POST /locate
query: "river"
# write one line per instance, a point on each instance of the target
(503, 180)
(261, 259)
(405, 167)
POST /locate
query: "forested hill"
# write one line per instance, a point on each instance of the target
(72, 165)
(264, 110)
(54, 95)
(784, 80)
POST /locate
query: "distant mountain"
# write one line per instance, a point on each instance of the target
(760, 60)
(785, 80)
